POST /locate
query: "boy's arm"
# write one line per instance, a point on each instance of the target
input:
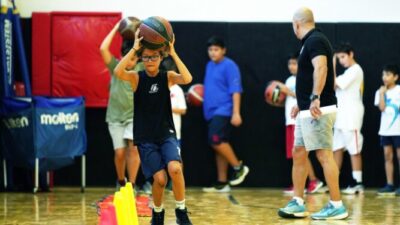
(120, 70)
(381, 94)
(105, 45)
(184, 76)
(179, 111)
(236, 117)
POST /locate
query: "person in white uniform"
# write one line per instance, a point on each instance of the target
(349, 118)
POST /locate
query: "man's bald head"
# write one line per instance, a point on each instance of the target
(304, 16)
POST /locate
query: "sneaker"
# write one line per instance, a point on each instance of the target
(239, 175)
(118, 185)
(314, 186)
(293, 210)
(388, 190)
(289, 190)
(218, 188)
(182, 217)
(157, 218)
(147, 188)
(323, 190)
(352, 190)
(398, 192)
(329, 212)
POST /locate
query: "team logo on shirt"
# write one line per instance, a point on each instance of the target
(395, 108)
(153, 89)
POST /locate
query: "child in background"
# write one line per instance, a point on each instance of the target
(387, 99)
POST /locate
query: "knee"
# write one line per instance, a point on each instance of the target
(174, 168)
(299, 155)
(324, 157)
(160, 180)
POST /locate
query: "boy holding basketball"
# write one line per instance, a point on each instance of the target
(347, 129)
(222, 93)
(387, 99)
(119, 114)
(154, 128)
(289, 89)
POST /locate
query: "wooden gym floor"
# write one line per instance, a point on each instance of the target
(244, 206)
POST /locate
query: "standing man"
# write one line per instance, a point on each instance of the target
(314, 125)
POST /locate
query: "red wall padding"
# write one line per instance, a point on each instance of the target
(76, 66)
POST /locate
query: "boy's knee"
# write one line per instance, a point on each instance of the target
(174, 168)
(160, 181)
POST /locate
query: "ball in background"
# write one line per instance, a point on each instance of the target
(195, 95)
(128, 26)
(273, 94)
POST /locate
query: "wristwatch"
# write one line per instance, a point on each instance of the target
(313, 97)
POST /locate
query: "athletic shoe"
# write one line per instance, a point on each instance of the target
(388, 190)
(293, 210)
(218, 188)
(157, 218)
(352, 190)
(289, 190)
(239, 175)
(323, 190)
(182, 217)
(314, 186)
(329, 212)
(147, 188)
(398, 192)
(118, 185)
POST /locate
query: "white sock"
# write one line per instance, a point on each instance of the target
(357, 175)
(299, 200)
(336, 204)
(158, 209)
(180, 204)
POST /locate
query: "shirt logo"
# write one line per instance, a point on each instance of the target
(302, 48)
(153, 89)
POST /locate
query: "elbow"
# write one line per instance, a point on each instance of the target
(189, 80)
(183, 112)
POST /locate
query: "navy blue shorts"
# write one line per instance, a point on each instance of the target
(219, 130)
(390, 140)
(156, 156)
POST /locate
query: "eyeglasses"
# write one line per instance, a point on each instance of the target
(152, 58)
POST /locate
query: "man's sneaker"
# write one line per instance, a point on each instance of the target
(289, 190)
(218, 188)
(293, 210)
(147, 188)
(314, 186)
(118, 185)
(352, 190)
(329, 212)
(239, 175)
(398, 192)
(388, 190)
(157, 218)
(182, 217)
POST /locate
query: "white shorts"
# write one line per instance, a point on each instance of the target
(120, 133)
(350, 140)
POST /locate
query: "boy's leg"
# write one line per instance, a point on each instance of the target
(225, 150)
(311, 172)
(314, 184)
(133, 162)
(388, 151)
(117, 131)
(160, 180)
(178, 182)
(356, 165)
(222, 168)
(338, 155)
(120, 163)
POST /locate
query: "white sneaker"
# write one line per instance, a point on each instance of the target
(357, 189)
(218, 189)
(323, 190)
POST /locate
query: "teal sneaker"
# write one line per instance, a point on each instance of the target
(329, 212)
(293, 210)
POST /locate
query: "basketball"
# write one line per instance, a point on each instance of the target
(195, 95)
(156, 32)
(128, 26)
(273, 94)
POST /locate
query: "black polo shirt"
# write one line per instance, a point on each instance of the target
(315, 43)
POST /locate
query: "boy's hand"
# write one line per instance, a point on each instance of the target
(294, 112)
(236, 120)
(383, 89)
(137, 45)
(172, 46)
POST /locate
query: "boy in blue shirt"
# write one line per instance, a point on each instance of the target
(222, 93)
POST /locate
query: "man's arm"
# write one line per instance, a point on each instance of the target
(320, 64)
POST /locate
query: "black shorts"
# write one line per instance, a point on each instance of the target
(219, 130)
(390, 140)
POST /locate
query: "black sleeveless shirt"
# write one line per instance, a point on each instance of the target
(152, 106)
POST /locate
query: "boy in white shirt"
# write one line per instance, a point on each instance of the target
(350, 114)
(179, 107)
(289, 89)
(387, 99)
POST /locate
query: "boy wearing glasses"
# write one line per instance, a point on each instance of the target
(154, 129)
(222, 96)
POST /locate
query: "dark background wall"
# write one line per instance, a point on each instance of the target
(260, 50)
